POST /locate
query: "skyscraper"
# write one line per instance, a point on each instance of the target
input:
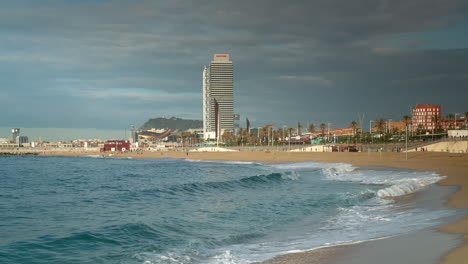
(218, 86)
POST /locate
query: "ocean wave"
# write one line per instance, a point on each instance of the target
(396, 182)
(247, 182)
(407, 186)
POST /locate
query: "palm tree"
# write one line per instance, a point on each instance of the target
(240, 134)
(407, 121)
(354, 126)
(465, 116)
(311, 128)
(450, 117)
(436, 120)
(322, 128)
(299, 128)
(263, 133)
(380, 125)
(183, 136)
(228, 138)
(194, 135)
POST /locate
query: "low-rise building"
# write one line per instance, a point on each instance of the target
(338, 132)
(116, 145)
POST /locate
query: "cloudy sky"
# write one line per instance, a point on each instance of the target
(107, 64)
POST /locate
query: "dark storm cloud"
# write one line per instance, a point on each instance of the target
(318, 61)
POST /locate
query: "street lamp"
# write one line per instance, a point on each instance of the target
(328, 133)
(455, 121)
(284, 127)
(370, 130)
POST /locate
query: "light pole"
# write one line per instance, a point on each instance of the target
(370, 130)
(406, 142)
(284, 127)
(328, 133)
(455, 120)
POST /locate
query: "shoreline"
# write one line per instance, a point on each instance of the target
(453, 166)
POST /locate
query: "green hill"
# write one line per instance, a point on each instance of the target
(172, 123)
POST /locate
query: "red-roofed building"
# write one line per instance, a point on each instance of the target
(425, 115)
(116, 145)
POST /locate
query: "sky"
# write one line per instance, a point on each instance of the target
(109, 64)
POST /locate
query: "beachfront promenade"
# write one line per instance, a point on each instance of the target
(445, 145)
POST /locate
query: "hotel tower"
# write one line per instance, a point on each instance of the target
(218, 91)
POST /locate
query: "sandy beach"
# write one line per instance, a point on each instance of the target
(454, 166)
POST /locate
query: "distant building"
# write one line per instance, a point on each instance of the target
(340, 131)
(116, 145)
(15, 134)
(425, 116)
(22, 140)
(218, 90)
(396, 126)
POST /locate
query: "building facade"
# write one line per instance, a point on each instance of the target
(15, 132)
(426, 116)
(218, 90)
(116, 145)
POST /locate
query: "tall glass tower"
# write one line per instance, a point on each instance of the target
(218, 87)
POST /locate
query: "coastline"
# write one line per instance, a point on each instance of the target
(454, 166)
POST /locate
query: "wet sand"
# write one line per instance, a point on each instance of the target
(454, 166)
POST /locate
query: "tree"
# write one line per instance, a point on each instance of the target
(380, 125)
(354, 126)
(436, 120)
(407, 121)
(240, 134)
(465, 116)
(420, 129)
(183, 136)
(299, 128)
(194, 137)
(322, 128)
(263, 134)
(311, 128)
(449, 118)
(228, 138)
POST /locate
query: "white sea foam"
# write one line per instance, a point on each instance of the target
(226, 162)
(93, 156)
(169, 258)
(407, 186)
(226, 258)
(311, 165)
(293, 175)
(396, 182)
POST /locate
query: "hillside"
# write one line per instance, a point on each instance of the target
(172, 123)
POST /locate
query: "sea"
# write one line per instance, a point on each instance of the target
(95, 209)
